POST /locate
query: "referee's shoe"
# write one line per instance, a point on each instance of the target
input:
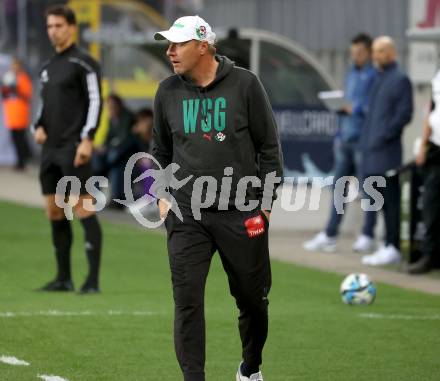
(58, 285)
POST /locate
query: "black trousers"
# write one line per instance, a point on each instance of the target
(21, 146)
(241, 238)
(391, 209)
(431, 210)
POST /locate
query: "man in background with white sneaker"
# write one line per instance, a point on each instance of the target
(390, 109)
(358, 85)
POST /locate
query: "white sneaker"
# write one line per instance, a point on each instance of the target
(320, 242)
(384, 256)
(364, 244)
(254, 377)
(366, 259)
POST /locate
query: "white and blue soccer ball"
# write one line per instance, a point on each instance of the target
(357, 289)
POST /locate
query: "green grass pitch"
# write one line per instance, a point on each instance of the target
(125, 333)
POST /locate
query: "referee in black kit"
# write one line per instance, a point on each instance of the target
(66, 124)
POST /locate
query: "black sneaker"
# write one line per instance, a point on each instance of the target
(89, 288)
(422, 266)
(58, 285)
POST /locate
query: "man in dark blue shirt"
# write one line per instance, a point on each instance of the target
(347, 153)
(390, 109)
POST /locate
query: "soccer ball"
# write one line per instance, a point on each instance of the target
(357, 289)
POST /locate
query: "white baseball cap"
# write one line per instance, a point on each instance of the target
(187, 28)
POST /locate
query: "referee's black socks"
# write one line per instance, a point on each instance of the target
(93, 242)
(62, 241)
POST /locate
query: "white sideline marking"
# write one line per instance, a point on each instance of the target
(51, 378)
(398, 317)
(13, 361)
(57, 313)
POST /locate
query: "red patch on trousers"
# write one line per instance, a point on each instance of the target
(254, 226)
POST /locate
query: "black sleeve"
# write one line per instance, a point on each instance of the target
(39, 116)
(91, 84)
(264, 133)
(39, 119)
(162, 146)
(432, 105)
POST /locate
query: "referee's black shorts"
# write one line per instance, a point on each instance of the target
(58, 162)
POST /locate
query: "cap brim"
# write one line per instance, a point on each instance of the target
(170, 36)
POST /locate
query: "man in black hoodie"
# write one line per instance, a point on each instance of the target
(214, 121)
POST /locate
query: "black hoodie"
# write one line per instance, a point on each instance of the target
(228, 123)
